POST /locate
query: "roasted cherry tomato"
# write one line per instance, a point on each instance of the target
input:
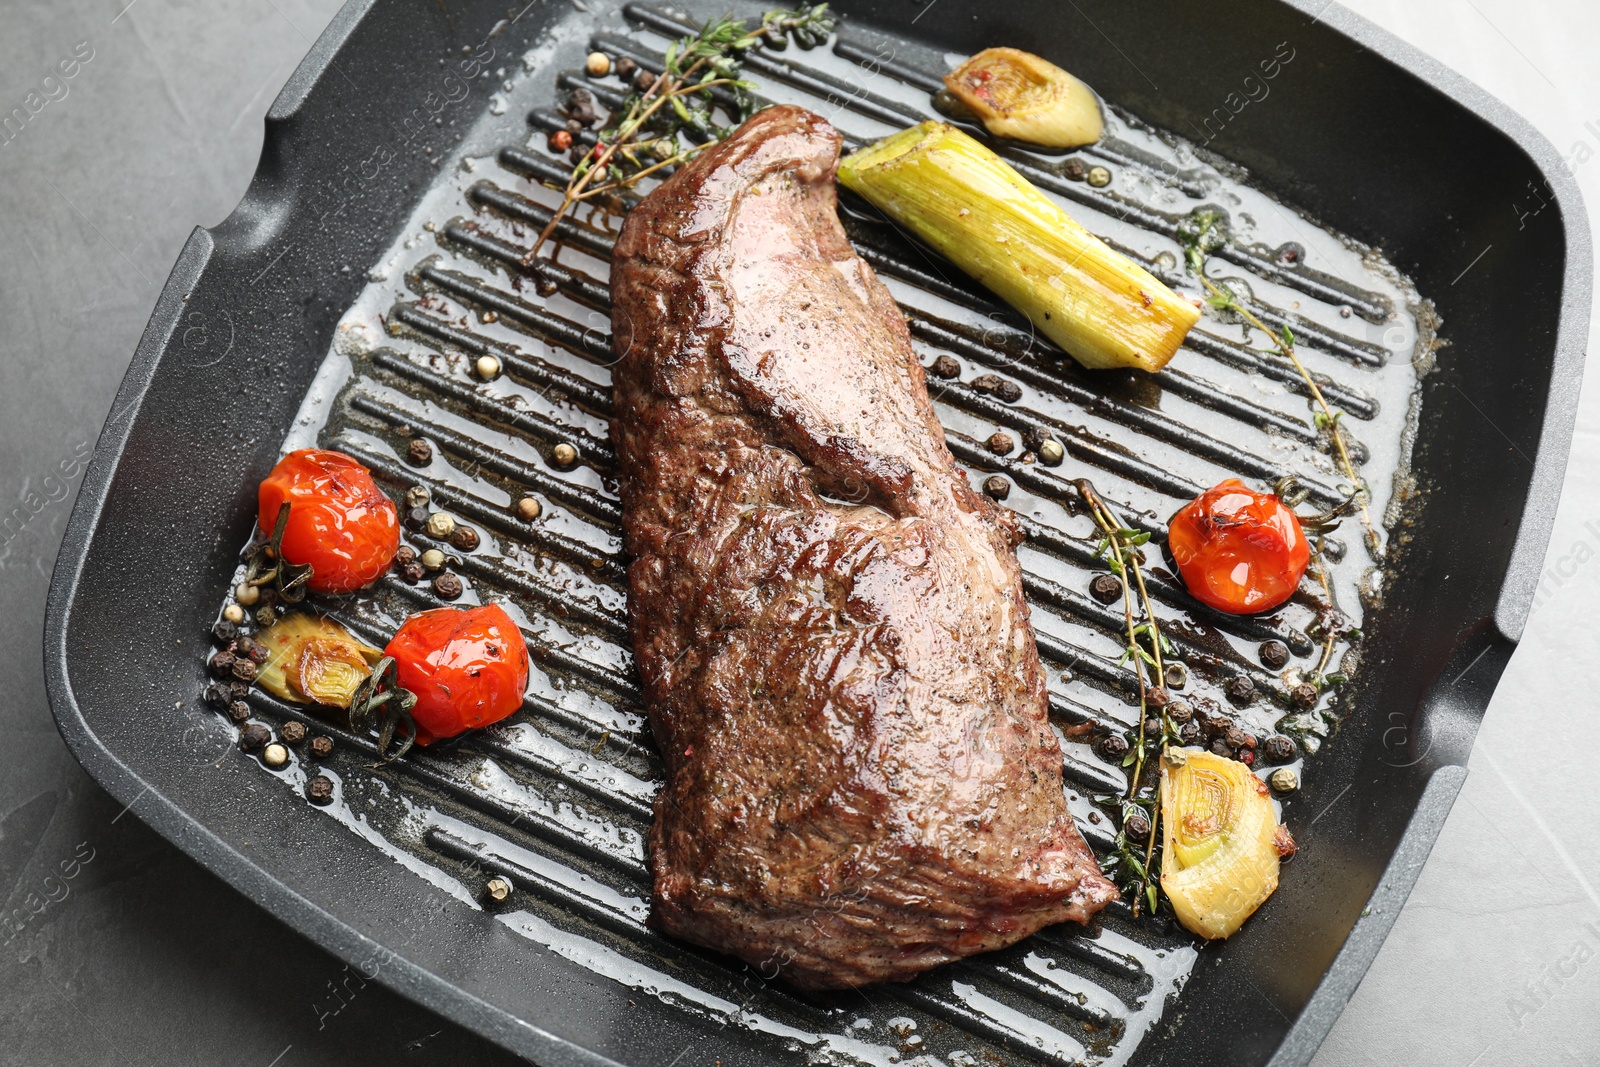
(340, 522)
(1238, 550)
(467, 666)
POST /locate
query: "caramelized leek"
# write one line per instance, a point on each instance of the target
(1101, 307)
(1016, 94)
(313, 660)
(1220, 841)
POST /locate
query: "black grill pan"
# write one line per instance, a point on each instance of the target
(363, 148)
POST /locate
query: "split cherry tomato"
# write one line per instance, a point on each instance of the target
(1238, 550)
(467, 666)
(340, 522)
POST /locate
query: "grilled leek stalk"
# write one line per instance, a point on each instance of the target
(1019, 95)
(959, 197)
(1220, 841)
(313, 660)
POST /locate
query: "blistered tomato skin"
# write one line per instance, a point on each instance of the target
(1238, 550)
(340, 522)
(467, 666)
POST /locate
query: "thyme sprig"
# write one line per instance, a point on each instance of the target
(1119, 546)
(679, 105)
(265, 565)
(380, 701)
(1200, 234)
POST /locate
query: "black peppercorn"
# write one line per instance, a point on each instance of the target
(259, 653)
(1112, 747)
(319, 790)
(1075, 169)
(1136, 826)
(419, 452)
(643, 81)
(1274, 654)
(224, 631)
(414, 572)
(238, 711)
(1152, 728)
(986, 383)
(998, 486)
(1105, 587)
(222, 662)
(1278, 749)
(1235, 738)
(624, 68)
(245, 670)
(1001, 443)
(292, 732)
(1303, 695)
(1180, 712)
(238, 690)
(1157, 697)
(1008, 391)
(465, 538)
(1216, 725)
(244, 646)
(403, 555)
(322, 746)
(416, 518)
(1189, 733)
(1241, 689)
(1220, 747)
(254, 736)
(217, 695)
(447, 586)
(946, 367)
(580, 108)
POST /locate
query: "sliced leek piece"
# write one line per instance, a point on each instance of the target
(1019, 95)
(956, 195)
(1220, 841)
(313, 660)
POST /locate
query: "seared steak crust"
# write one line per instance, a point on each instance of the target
(838, 665)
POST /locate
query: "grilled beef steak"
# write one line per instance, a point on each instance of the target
(829, 621)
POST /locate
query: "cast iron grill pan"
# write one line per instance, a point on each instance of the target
(572, 782)
(558, 799)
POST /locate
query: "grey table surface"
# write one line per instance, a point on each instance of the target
(151, 960)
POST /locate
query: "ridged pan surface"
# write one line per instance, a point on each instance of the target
(558, 798)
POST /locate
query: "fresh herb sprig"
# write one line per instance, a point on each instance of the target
(647, 133)
(1319, 526)
(265, 565)
(1119, 546)
(1202, 233)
